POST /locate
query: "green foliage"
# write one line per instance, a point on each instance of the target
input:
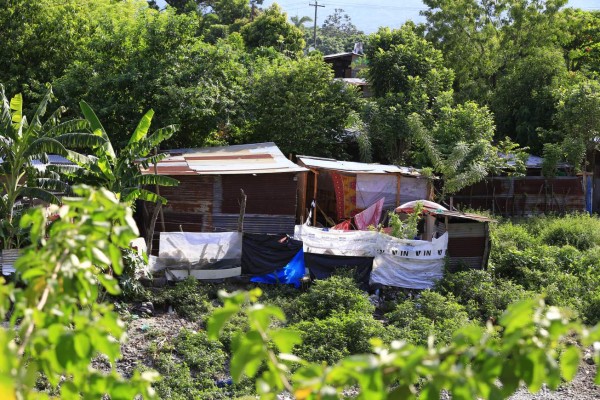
(336, 295)
(297, 105)
(337, 336)
(187, 298)
(459, 146)
(191, 367)
(482, 296)
(56, 325)
(477, 363)
(121, 174)
(22, 141)
(407, 229)
(580, 230)
(430, 314)
(271, 29)
(337, 34)
(135, 267)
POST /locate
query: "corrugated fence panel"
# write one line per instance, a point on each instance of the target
(255, 223)
(270, 194)
(525, 196)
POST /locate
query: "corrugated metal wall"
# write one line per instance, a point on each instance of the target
(468, 242)
(522, 196)
(211, 203)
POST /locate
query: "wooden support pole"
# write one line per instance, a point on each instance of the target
(315, 197)
(242, 211)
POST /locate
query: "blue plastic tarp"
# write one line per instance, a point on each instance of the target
(291, 274)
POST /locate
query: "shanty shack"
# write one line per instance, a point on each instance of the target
(468, 234)
(344, 188)
(208, 197)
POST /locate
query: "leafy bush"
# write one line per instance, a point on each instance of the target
(579, 230)
(430, 314)
(512, 263)
(192, 367)
(337, 336)
(338, 294)
(482, 296)
(188, 298)
(511, 236)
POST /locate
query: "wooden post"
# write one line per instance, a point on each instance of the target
(315, 197)
(162, 215)
(398, 189)
(242, 211)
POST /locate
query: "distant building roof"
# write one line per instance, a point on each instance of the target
(353, 81)
(339, 55)
(534, 162)
(258, 158)
(356, 167)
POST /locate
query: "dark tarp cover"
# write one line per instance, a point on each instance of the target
(322, 266)
(263, 254)
(291, 274)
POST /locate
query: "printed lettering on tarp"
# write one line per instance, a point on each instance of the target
(414, 265)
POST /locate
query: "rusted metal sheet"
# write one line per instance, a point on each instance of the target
(273, 194)
(255, 223)
(528, 195)
(263, 158)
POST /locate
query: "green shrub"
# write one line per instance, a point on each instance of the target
(191, 367)
(512, 263)
(338, 294)
(511, 236)
(188, 298)
(429, 314)
(579, 230)
(482, 296)
(337, 336)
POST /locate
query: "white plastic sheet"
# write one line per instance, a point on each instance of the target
(335, 242)
(412, 264)
(200, 254)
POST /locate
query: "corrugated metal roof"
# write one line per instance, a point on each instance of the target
(353, 81)
(356, 167)
(337, 55)
(257, 158)
(458, 214)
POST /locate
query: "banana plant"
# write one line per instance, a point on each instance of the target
(120, 173)
(22, 142)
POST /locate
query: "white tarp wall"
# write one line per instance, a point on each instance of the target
(199, 254)
(412, 264)
(339, 243)
(372, 187)
(413, 189)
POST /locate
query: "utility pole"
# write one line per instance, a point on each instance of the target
(316, 6)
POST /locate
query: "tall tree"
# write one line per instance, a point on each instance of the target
(406, 75)
(481, 38)
(338, 33)
(298, 105)
(271, 29)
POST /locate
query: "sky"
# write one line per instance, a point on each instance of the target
(368, 15)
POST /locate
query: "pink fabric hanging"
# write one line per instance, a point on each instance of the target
(369, 216)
